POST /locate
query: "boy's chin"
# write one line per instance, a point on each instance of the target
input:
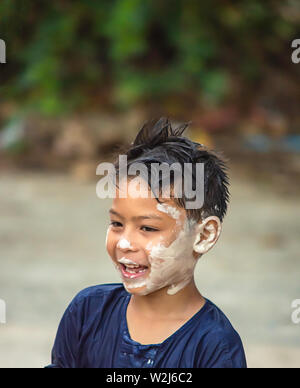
(135, 290)
(143, 291)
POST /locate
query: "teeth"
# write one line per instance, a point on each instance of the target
(130, 271)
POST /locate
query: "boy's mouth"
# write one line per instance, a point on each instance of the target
(133, 271)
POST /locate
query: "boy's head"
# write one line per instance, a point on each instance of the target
(159, 143)
(157, 233)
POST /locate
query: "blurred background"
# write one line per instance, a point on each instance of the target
(80, 79)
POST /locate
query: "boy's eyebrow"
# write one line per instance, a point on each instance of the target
(148, 216)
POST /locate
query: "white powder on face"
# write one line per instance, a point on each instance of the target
(135, 284)
(172, 211)
(173, 265)
(125, 261)
(124, 244)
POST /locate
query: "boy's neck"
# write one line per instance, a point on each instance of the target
(160, 305)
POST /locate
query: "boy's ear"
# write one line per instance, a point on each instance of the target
(208, 233)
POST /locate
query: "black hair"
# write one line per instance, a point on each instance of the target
(158, 142)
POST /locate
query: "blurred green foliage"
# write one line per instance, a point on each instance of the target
(71, 54)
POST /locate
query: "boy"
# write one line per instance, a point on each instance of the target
(155, 318)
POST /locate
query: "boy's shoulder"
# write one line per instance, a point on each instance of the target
(99, 292)
(216, 327)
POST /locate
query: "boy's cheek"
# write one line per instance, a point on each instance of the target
(110, 243)
(106, 238)
(156, 241)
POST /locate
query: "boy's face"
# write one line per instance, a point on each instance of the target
(151, 244)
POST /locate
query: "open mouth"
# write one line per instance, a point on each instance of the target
(133, 271)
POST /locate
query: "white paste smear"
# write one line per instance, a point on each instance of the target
(174, 265)
(124, 244)
(172, 211)
(125, 261)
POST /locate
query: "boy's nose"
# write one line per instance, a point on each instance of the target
(125, 245)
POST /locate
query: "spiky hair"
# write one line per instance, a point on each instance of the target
(158, 142)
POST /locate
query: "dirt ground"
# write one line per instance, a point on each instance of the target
(52, 235)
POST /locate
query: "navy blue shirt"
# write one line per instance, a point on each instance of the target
(93, 333)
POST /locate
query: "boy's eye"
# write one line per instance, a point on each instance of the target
(148, 229)
(115, 224)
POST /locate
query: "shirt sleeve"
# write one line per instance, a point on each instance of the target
(222, 349)
(65, 349)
